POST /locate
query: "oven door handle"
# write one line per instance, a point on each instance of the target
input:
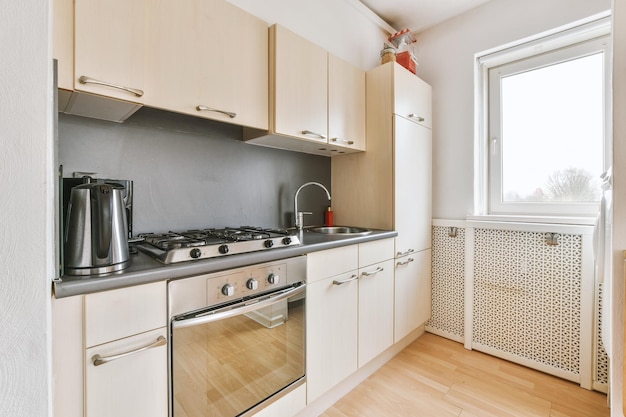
(237, 309)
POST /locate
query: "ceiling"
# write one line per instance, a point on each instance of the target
(418, 15)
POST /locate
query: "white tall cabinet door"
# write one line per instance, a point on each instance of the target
(109, 46)
(300, 83)
(133, 385)
(412, 97)
(412, 293)
(413, 189)
(331, 342)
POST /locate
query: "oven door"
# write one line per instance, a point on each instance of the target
(234, 360)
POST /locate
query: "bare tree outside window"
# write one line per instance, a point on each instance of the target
(572, 184)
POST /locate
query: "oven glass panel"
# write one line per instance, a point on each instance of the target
(225, 367)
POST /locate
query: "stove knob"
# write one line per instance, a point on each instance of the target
(195, 253)
(286, 241)
(223, 249)
(273, 279)
(228, 290)
(269, 243)
(252, 284)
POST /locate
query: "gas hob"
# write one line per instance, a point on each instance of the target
(191, 245)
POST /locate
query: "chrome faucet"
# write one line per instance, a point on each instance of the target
(300, 214)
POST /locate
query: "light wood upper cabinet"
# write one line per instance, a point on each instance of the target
(63, 42)
(110, 43)
(346, 104)
(299, 83)
(209, 59)
(317, 101)
(206, 58)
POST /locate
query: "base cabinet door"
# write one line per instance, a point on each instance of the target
(412, 293)
(331, 332)
(375, 310)
(132, 380)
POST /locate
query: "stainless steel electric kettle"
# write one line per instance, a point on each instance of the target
(96, 234)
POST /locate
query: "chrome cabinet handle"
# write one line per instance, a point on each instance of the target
(416, 117)
(408, 261)
(376, 271)
(345, 281)
(399, 254)
(227, 113)
(98, 360)
(309, 132)
(87, 80)
(347, 142)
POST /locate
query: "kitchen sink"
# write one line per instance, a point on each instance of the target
(340, 230)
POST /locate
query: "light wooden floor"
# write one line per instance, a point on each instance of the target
(436, 377)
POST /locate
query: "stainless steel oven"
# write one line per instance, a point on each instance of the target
(237, 339)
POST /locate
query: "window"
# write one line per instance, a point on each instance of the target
(543, 139)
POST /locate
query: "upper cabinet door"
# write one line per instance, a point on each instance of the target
(209, 58)
(300, 80)
(233, 64)
(63, 42)
(412, 97)
(346, 104)
(110, 42)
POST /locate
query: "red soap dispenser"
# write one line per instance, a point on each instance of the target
(328, 217)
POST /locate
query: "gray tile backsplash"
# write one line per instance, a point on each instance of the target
(190, 172)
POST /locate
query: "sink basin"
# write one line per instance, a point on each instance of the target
(341, 230)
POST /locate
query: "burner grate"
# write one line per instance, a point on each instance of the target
(196, 244)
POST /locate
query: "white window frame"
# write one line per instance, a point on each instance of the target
(598, 26)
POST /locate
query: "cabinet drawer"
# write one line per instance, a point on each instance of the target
(376, 251)
(115, 314)
(326, 263)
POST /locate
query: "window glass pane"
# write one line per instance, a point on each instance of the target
(552, 132)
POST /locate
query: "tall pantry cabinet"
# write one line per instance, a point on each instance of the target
(389, 186)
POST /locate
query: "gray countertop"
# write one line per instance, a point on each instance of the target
(144, 269)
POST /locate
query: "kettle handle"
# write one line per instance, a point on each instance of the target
(103, 201)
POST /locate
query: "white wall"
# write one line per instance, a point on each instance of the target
(340, 27)
(26, 201)
(445, 54)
